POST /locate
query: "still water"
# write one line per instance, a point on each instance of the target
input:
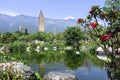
(82, 73)
(85, 68)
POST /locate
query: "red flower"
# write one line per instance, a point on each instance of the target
(90, 12)
(79, 20)
(104, 37)
(110, 35)
(94, 24)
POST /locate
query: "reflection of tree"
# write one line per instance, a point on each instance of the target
(96, 61)
(73, 60)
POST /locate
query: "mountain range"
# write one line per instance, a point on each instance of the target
(11, 23)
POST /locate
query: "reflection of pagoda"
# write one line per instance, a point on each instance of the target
(41, 22)
(42, 68)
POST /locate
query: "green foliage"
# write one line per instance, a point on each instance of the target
(113, 4)
(73, 35)
(73, 60)
(60, 36)
(1, 44)
(40, 36)
(38, 76)
(6, 38)
(106, 34)
(17, 47)
(25, 38)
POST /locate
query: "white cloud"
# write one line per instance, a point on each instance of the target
(8, 12)
(69, 17)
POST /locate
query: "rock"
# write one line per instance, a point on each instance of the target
(104, 58)
(109, 49)
(19, 67)
(117, 50)
(4, 49)
(100, 50)
(59, 76)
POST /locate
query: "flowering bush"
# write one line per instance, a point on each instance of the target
(9, 73)
(104, 28)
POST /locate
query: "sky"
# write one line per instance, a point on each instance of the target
(56, 9)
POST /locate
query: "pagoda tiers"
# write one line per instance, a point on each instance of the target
(41, 22)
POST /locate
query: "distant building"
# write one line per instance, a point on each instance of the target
(41, 22)
(20, 28)
(54, 30)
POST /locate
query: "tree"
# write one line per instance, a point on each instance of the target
(113, 4)
(26, 31)
(104, 28)
(59, 36)
(73, 35)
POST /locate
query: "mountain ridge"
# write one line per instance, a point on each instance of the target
(11, 23)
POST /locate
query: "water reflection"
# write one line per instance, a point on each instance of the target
(84, 65)
(42, 68)
(73, 60)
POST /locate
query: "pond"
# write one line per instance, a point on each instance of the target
(82, 73)
(82, 66)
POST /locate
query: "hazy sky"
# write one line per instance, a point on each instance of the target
(56, 9)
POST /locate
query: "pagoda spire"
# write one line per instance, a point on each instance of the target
(41, 22)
